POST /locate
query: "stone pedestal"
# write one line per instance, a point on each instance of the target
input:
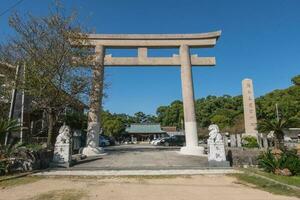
(62, 155)
(62, 149)
(217, 155)
(92, 140)
(193, 151)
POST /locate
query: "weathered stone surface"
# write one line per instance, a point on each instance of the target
(238, 140)
(93, 131)
(232, 141)
(249, 108)
(190, 124)
(62, 149)
(216, 149)
(241, 156)
(154, 40)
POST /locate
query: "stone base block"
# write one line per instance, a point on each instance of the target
(220, 164)
(194, 151)
(90, 151)
(61, 164)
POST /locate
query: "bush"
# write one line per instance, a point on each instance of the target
(20, 158)
(250, 142)
(278, 161)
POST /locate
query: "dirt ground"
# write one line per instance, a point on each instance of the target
(208, 187)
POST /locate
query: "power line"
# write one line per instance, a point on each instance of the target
(12, 7)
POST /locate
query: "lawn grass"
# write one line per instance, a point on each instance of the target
(290, 180)
(19, 181)
(61, 195)
(260, 183)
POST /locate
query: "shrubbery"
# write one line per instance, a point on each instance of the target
(250, 142)
(281, 162)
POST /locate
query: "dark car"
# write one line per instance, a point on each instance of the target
(176, 140)
(110, 139)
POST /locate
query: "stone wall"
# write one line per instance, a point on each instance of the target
(24, 160)
(242, 156)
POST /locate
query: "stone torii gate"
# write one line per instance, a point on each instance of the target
(142, 42)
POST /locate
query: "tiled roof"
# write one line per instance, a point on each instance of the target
(169, 128)
(144, 128)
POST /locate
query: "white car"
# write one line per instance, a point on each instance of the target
(153, 141)
(157, 141)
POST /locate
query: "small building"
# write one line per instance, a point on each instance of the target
(172, 130)
(21, 106)
(145, 131)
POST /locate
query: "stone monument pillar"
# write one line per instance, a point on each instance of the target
(249, 108)
(190, 124)
(92, 144)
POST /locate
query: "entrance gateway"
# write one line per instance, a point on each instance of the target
(142, 42)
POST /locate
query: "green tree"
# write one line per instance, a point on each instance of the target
(296, 80)
(46, 46)
(113, 127)
(171, 115)
(288, 102)
(141, 117)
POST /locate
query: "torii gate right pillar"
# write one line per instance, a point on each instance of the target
(190, 123)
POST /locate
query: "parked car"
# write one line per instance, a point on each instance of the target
(103, 141)
(176, 140)
(154, 141)
(157, 141)
(111, 140)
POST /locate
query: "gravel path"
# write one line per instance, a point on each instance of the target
(204, 187)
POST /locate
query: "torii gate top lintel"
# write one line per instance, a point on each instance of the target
(144, 41)
(154, 40)
(208, 35)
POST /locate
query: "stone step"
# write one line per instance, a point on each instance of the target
(137, 172)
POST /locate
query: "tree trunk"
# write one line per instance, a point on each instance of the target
(279, 141)
(50, 128)
(276, 143)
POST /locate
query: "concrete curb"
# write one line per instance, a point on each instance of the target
(137, 172)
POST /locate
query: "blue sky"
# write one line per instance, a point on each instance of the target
(260, 40)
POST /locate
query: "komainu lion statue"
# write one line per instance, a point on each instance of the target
(64, 135)
(214, 134)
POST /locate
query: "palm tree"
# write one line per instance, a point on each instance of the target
(277, 127)
(7, 126)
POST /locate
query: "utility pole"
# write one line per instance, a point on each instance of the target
(12, 101)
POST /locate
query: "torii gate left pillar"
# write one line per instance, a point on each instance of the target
(92, 139)
(142, 42)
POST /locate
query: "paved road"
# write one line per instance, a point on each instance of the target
(144, 157)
